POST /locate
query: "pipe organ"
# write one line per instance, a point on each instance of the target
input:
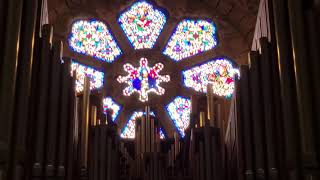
(147, 152)
(267, 130)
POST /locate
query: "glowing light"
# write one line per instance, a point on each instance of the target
(108, 103)
(179, 111)
(191, 37)
(142, 24)
(143, 79)
(96, 77)
(93, 38)
(129, 131)
(219, 72)
(162, 134)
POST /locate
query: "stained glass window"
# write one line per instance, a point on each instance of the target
(142, 24)
(162, 134)
(129, 131)
(108, 103)
(96, 77)
(179, 111)
(143, 79)
(220, 72)
(93, 38)
(191, 37)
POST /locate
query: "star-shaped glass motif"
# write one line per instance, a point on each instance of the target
(143, 79)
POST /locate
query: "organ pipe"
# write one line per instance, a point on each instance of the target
(210, 104)
(85, 123)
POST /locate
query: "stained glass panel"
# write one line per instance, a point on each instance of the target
(142, 24)
(129, 131)
(220, 72)
(191, 37)
(162, 134)
(109, 103)
(143, 79)
(96, 77)
(93, 38)
(179, 111)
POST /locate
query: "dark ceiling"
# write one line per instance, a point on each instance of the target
(235, 21)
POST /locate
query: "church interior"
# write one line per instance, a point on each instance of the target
(159, 90)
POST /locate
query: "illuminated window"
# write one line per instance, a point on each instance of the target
(143, 79)
(162, 134)
(108, 103)
(219, 72)
(179, 111)
(96, 77)
(142, 24)
(129, 131)
(93, 38)
(191, 37)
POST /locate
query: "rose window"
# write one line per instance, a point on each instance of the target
(153, 72)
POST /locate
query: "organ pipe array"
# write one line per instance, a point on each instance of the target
(49, 132)
(149, 164)
(274, 117)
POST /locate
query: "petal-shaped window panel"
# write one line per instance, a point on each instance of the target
(93, 38)
(179, 111)
(109, 103)
(220, 72)
(96, 77)
(191, 37)
(129, 131)
(142, 24)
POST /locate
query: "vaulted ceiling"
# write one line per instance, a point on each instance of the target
(235, 21)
